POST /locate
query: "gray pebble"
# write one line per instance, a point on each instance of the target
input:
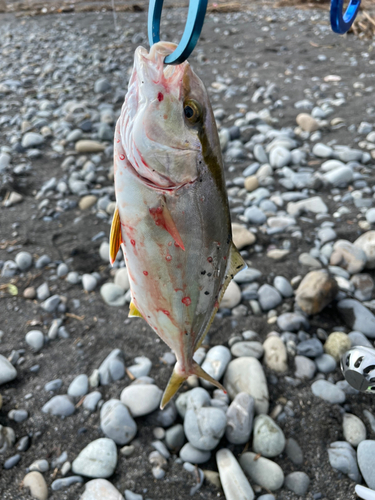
(129, 495)
(268, 439)
(357, 338)
(311, 348)
(62, 270)
(89, 282)
(141, 399)
(116, 422)
(283, 286)
(91, 400)
(305, 367)
(269, 297)
(344, 458)
(12, 461)
(35, 339)
(59, 405)
(50, 305)
(327, 391)
(262, 471)
(102, 85)
(112, 368)
(42, 292)
(233, 480)
(141, 368)
(325, 363)
(292, 322)
(43, 261)
(79, 386)
(24, 260)
(293, 451)
(53, 385)
(97, 460)
(7, 371)
(247, 348)
(113, 295)
(240, 416)
(298, 482)
(73, 278)
(18, 415)
(39, 466)
(64, 483)
(175, 437)
(9, 269)
(215, 363)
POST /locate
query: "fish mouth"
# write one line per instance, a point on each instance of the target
(152, 63)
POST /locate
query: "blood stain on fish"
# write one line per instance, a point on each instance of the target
(145, 273)
(122, 157)
(168, 258)
(132, 242)
(160, 97)
(167, 313)
(186, 301)
(209, 259)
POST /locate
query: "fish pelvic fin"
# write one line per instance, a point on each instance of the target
(115, 238)
(133, 311)
(177, 379)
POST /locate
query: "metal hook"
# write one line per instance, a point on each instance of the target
(341, 23)
(193, 28)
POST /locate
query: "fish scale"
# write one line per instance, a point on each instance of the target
(172, 217)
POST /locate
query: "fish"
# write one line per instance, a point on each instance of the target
(172, 216)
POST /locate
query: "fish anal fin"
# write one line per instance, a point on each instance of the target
(133, 311)
(115, 238)
(235, 265)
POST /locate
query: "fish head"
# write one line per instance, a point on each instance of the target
(165, 111)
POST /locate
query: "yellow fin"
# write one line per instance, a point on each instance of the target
(115, 238)
(235, 265)
(133, 311)
(176, 381)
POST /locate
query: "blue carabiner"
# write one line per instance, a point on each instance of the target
(341, 23)
(193, 28)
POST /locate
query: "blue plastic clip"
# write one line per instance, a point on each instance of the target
(341, 23)
(193, 28)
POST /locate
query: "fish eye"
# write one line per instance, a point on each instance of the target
(192, 111)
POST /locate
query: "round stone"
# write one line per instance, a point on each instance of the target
(354, 429)
(343, 458)
(298, 482)
(262, 471)
(275, 355)
(79, 386)
(87, 202)
(233, 480)
(35, 339)
(189, 453)
(232, 296)
(7, 371)
(116, 422)
(24, 260)
(98, 459)
(242, 237)
(327, 391)
(175, 437)
(305, 367)
(29, 293)
(215, 363)
(141, 399)
(247, 348)
(113, 295)
(337, 344)
(366, 461)
(283, 286)
(89, 282)
(240, 416)
(122, 279)
(100, 489)
(246, 375)
(325, 363)
(269, 439)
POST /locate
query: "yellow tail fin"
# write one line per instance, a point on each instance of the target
(176, 381)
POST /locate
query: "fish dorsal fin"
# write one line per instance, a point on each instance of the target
(133, 311)
(115, 238)
(235, 265)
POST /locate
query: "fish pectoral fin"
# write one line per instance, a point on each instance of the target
(235, 265)
(170, 226)
(115, 238)
(176, 381)
(133, 311)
